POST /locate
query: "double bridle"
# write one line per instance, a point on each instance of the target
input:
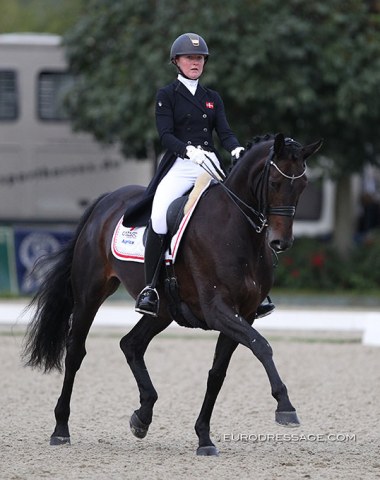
(261, 193)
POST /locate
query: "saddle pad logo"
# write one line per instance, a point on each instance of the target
(127, 243)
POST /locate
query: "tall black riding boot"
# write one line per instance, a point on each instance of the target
(148, 301)
(265, 309)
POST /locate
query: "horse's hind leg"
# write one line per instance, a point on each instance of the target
(75, 352)
(225, 347)
(83, 315)
(134, 346)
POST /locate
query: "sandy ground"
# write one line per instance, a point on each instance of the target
(333, 381)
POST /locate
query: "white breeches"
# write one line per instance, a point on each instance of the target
(179, 179)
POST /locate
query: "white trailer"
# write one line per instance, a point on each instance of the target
(47, 172)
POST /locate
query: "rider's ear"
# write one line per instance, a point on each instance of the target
(312, 148)
(279, 143)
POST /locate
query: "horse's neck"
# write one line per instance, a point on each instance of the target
(242, 178)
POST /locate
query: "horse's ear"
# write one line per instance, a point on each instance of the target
(279, 144)
(311, 149)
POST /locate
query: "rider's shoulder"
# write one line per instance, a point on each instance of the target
(168, 89)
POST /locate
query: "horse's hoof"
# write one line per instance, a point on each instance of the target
(210, 451)
(138, 428)
(59, 440)
(287, 419)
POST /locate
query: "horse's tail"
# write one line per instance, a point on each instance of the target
(47, 333)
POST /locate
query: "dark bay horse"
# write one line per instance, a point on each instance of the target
(224, 270)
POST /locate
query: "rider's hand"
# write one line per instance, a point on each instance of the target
(195, 155)
(237, 152)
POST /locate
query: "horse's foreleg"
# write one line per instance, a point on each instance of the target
(225, 347)
(242, 332)
(134, 345)
(285, 412)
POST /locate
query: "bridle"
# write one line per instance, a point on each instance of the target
(261, 192)
(292, 178)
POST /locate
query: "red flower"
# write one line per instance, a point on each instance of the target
(288, 261)
(295, 273)
(318, 260)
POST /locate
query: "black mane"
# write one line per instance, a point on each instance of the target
(259, 139)
(255, 141)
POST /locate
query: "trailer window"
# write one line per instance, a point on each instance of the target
(8, 95)
(52, 88)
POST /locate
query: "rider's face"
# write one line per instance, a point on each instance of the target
(191, 65)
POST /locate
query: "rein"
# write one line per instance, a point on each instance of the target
(264, 210)
(236, 200)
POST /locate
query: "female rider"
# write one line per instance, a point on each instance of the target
(187, 114)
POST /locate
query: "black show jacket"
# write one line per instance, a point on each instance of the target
(183, 119)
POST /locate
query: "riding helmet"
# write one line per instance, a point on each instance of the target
(189, 44)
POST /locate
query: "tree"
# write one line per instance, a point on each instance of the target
(309, 69)
(46, 16)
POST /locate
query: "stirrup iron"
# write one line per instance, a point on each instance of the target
(152, 307)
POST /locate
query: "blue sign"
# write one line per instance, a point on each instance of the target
(30, 245)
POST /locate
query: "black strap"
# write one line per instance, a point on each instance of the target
(236, 200)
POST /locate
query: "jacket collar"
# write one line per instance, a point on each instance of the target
(197, 99)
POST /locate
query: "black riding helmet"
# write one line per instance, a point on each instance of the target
(189, 44)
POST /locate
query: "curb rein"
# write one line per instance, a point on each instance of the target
(262, 186)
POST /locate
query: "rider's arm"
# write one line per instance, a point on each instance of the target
(165, 125)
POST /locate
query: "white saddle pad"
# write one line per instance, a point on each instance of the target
(127, 242)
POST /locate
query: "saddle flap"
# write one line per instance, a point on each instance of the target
(175, 214)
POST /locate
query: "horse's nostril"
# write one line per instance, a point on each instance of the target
(280, 245)
(276, 245)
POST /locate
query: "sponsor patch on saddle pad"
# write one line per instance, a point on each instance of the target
(127, 242)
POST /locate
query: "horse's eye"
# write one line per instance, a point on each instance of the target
(274, 185)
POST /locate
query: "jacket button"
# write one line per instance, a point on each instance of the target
(204, 115)
(205, 143)
(205, 129)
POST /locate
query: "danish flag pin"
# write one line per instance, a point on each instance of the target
(209, 104)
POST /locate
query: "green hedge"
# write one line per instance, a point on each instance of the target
(314, 264)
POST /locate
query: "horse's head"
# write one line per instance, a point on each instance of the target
(273, 171)
(284, 179)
